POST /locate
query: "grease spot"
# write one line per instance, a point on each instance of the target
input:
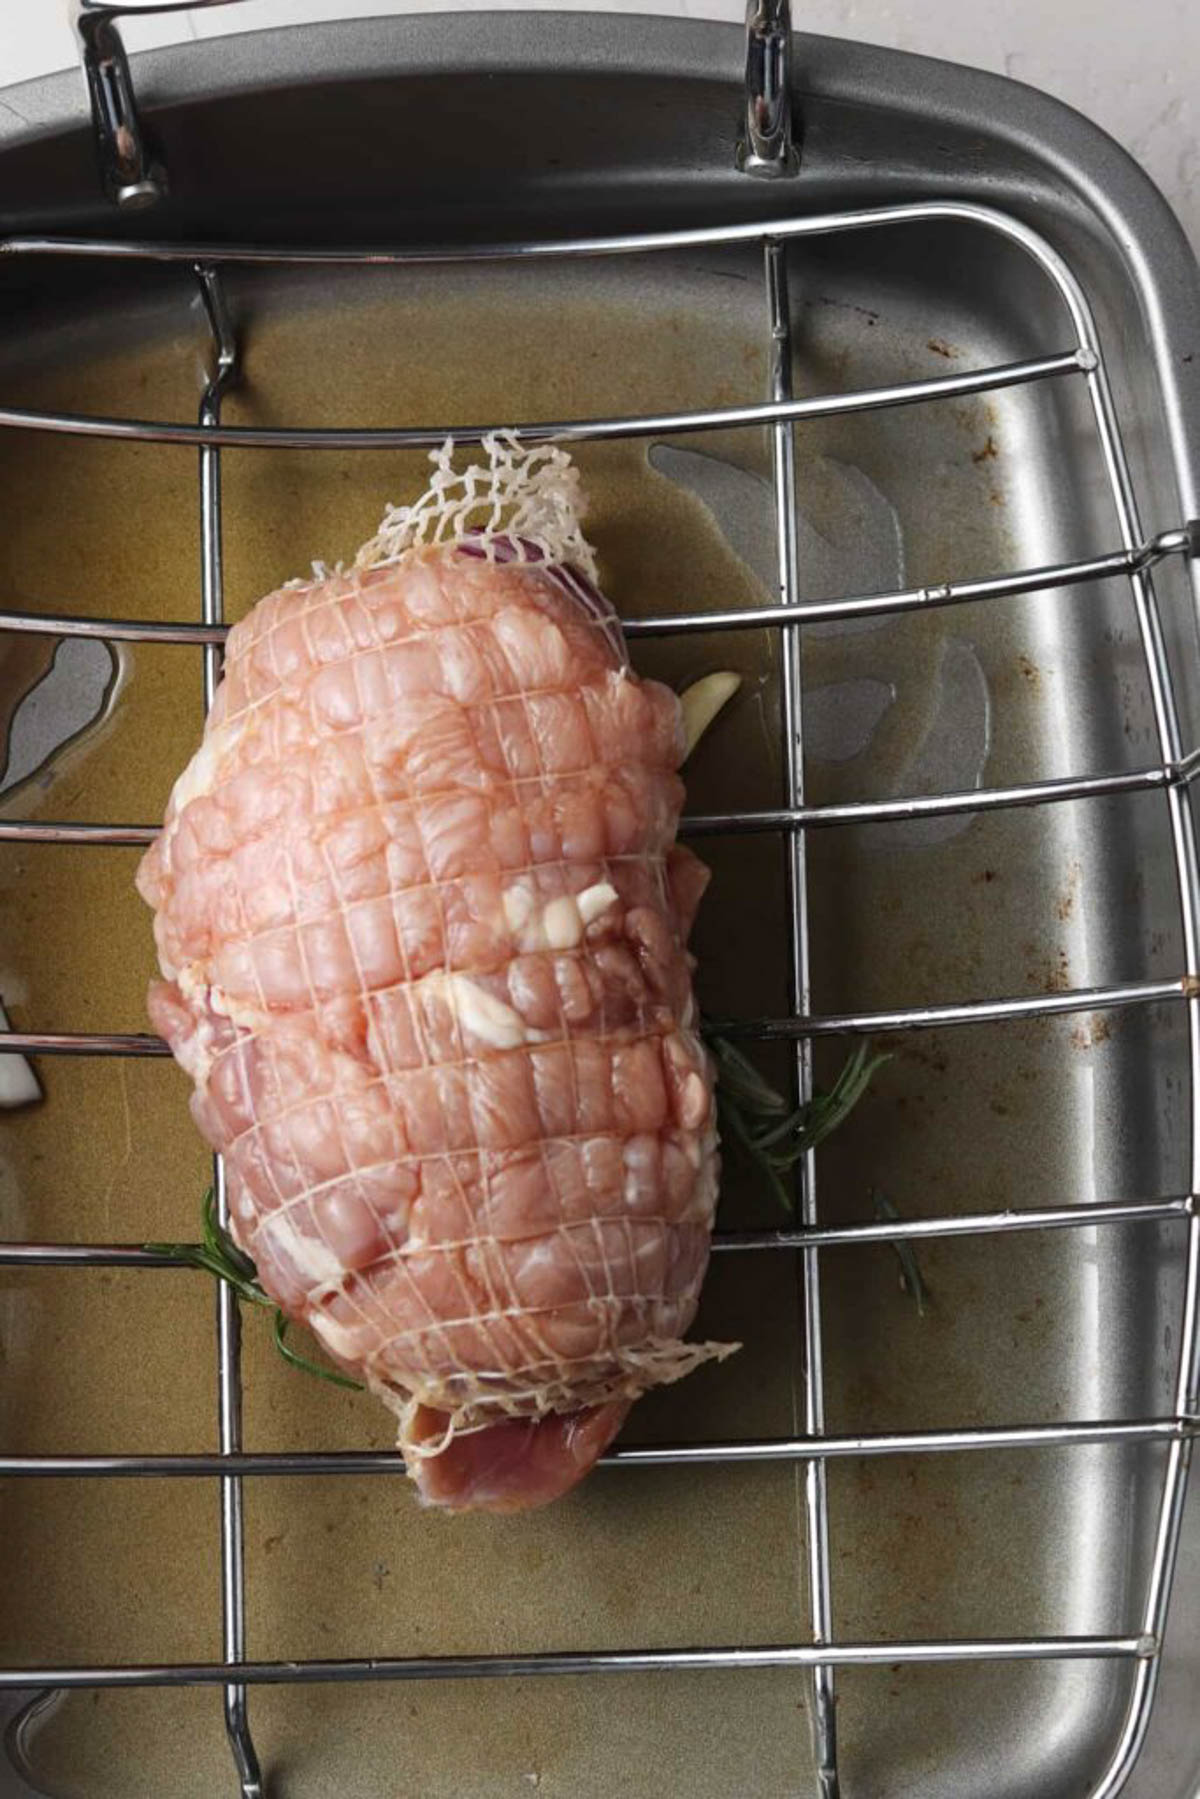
(849, 539)
(952, 754)
(841, 717)
(74, 694)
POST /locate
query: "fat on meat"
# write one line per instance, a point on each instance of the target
(422, 923)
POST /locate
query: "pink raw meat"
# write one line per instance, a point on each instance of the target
(422, 921)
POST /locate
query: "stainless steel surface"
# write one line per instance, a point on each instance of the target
(763, 1029)
(806, 1449)
(106, 1255)
(624, 1661)
(1072, 783)
(795, 873)
(661, 424)
(767, 149)
(130, 176)
(229, 1318)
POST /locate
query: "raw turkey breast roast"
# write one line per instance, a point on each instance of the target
(422, 921)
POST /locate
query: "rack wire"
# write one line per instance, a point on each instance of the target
(1134, 559)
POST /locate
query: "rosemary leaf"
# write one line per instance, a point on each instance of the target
(217, 1254)
(776, 1135)
(302, 1362)
(912, 1280)
(733, 1127)
(739, 1080)
(222, 1244)
(827, 1110)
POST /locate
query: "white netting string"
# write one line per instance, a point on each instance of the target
(474, 1400)
(524, 504)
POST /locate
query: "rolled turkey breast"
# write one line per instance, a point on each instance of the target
(422, 926)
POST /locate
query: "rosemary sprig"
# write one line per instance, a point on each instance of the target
(219, 1255)
(912, 1281)
(305, 1364)
(772, 1134)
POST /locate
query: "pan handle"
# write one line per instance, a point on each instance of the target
(131, 177)
(767, 149)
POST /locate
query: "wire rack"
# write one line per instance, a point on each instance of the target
(1133, 557)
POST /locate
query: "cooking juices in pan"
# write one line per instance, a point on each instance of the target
(958, 1121)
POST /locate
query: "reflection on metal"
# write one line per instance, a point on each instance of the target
(767, 149)
(132, 177)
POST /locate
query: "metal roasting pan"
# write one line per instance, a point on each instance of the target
(932, 390)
